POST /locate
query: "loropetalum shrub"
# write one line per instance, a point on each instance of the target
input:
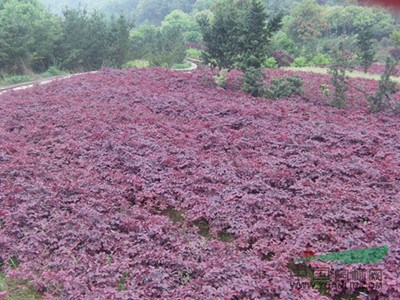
(282, 58)
(88, 163)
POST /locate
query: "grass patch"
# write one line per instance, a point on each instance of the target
(122, 282)
(203, 226)
(17, 290)
(225, 236)
(353, 74)
(181, 66)
(13, 262)
(15, 79)
(54, 71)
(137, 63)
(194, 53)
(175, 216)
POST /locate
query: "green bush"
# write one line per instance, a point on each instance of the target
(300, 62)
(54, 71)
(320, 60)
(341, 62)
(221, 78)
(253, 82)
(285, 87)
(137, 63)
(270, 63)
(382, 99)
(194, 53)
(395, 37)
(15, 79)
(183, 65)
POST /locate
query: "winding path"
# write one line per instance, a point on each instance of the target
(31, 84)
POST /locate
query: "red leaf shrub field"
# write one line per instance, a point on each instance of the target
(155, 184)
(376, 69)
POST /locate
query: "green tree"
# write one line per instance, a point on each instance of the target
(254, 36)
(395, 36)
(142, 41)
(220, 35)
(28, 36)
(116, 7)
(200, 5)
(184, 23)
(85, 43)
(382, 98)
(275, 7)
(119, 41)
(160, 46)
(350, 20)
(154, 11)
(280, 41)
(238, 34)
(307, 22)
(170, 48)
(366, 51)
(341, 62)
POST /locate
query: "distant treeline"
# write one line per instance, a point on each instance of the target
(38, 34)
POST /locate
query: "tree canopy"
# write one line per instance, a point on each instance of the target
(238, 34)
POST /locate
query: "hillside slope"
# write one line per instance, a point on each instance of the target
(144, 184)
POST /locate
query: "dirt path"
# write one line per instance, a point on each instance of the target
(30, 84)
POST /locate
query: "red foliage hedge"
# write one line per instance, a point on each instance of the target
(86, 163)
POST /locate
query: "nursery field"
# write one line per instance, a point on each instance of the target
(155, 184)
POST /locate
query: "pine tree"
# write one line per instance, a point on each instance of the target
(119, 41)
(238, 35)
(253, 39)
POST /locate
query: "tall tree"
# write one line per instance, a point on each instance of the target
(28, 36)
(183, 22)
(365, 51)
(220, 35)
(85, 40)
(170, 48)
(307, 22)
(238, 34)
(143, 41)
(255, 35)
(119, 41)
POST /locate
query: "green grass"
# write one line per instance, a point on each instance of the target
(15, 79)
(181, 66)
(354, 74)
(225, 236)
(17, 290)
(174, 215)
(194, 53)
(53, 71)
(137, 63)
